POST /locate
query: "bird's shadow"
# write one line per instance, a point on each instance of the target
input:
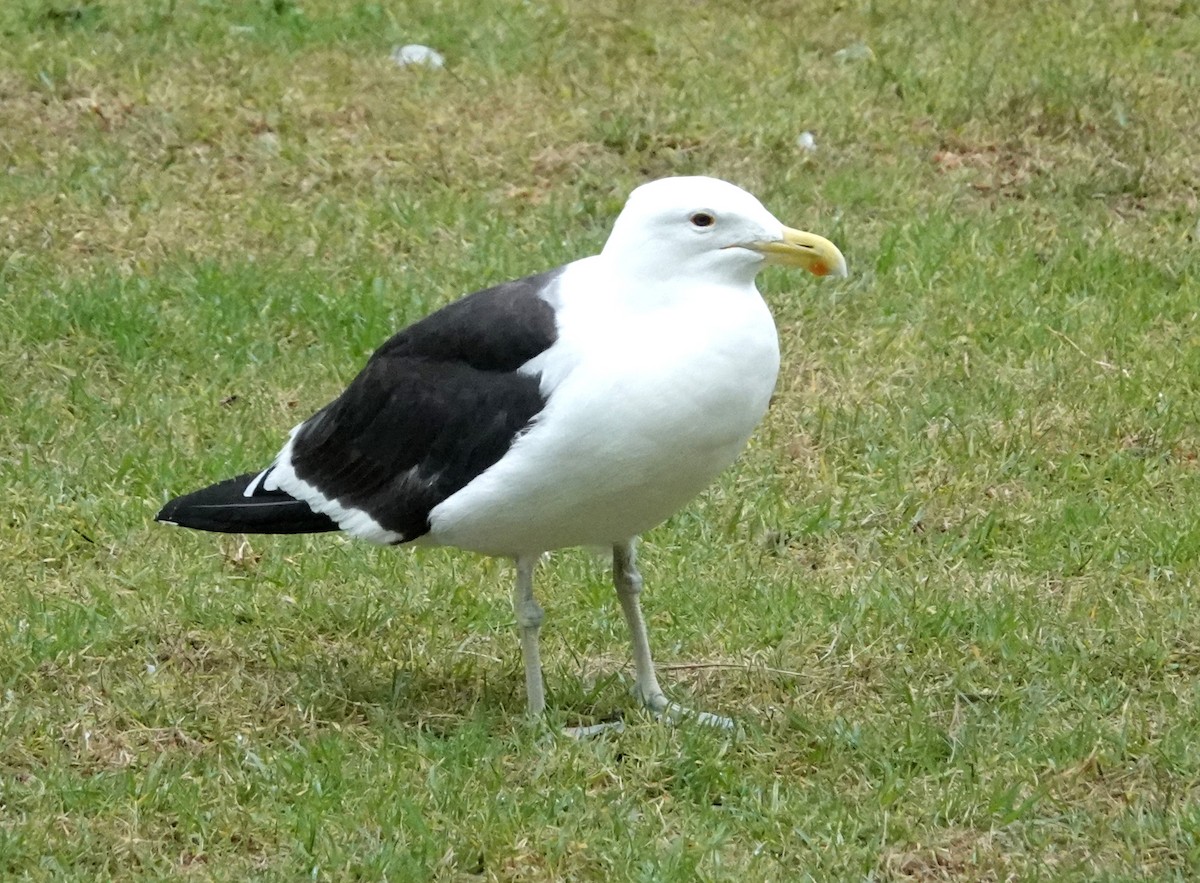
(441, 699)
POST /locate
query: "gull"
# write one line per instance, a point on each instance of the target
(581, 406)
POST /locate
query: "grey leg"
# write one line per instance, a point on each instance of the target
(529, 620)
(628, 583)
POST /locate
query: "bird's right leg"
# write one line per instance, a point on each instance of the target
(628, 583)
(529, 621)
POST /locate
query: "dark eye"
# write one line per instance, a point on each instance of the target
(703, 219)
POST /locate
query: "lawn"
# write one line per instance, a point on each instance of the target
(951, 592)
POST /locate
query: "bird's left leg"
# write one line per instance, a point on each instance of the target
(529, 621)
(628, 583)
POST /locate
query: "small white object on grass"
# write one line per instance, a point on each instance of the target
(415, 53)
(854, 52)
(806, 142)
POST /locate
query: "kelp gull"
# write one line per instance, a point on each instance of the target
(578, 407)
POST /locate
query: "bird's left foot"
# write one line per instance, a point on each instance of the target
(674, 713)
(588, 731)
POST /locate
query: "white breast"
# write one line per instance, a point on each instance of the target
(648, 402)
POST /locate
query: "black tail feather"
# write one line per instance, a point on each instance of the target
(225, 508)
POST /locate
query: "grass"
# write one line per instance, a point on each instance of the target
(950, 591)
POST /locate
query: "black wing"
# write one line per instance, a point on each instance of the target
(435, 406)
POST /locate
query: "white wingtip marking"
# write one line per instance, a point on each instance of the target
(282, 460)
(253, 486)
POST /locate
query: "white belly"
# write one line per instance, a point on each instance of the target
(640, 420)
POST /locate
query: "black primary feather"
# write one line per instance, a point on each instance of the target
(225, 508)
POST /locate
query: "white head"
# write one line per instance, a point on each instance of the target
(707, 228)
